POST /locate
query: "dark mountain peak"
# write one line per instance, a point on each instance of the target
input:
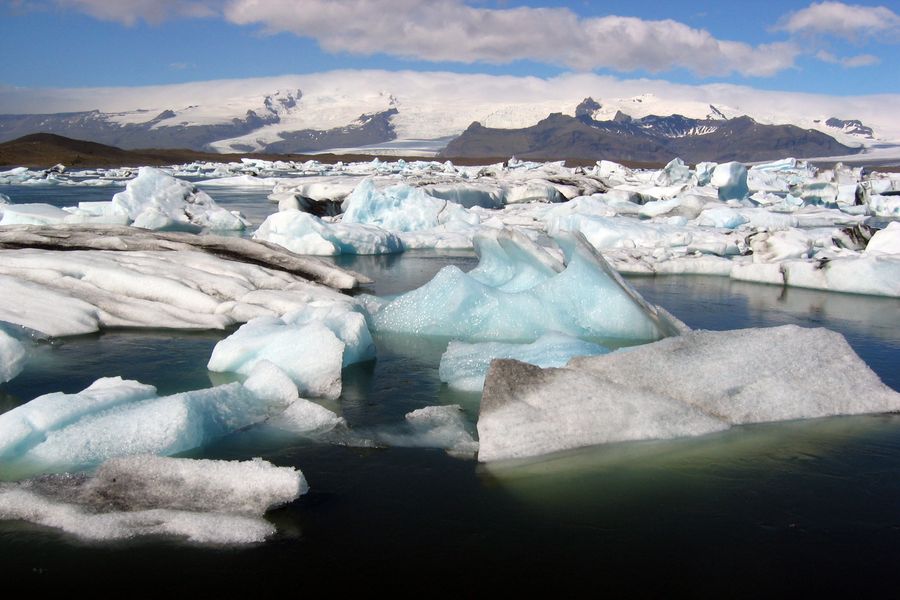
(851, 126)
(621, 117)
(587, 108)
(166, 114)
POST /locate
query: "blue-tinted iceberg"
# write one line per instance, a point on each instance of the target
(519, 291)
(311, 345)
(464, 366)
(403, 208)
(304, 233)
(115, 417)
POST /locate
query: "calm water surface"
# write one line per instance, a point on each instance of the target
(798, 507)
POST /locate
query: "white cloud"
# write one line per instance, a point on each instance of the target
(450, 30)
(850, 62)
(848, 21)
(129, 12)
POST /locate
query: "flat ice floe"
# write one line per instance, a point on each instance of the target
(692, 384)
(204, 501)
(519, 291)
(81, 291)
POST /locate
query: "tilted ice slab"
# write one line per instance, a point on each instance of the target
(311, 345)
(304, 233)
(519, 291)
(156, 200)
(464, 366)
(692, 384)
(75, 292)
(12, 356)
(204, 501)
(115, 417)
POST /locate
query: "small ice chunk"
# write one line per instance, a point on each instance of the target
(12, 356)
(304, 233)
(885, 241)
(434, 427)
(695, 383)
(311, 345)
(204, 501)
(464, 366)
(731, 180)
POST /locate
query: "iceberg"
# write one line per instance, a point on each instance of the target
(401, 208)
(203, 501)
(12, 357)
(304, 233)
(156, 200)
(731, 180)
(115, 417)
(434, 427)
(311, 345)
(519, 291)
(464, 366)
(692, 384)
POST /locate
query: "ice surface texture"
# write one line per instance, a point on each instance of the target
(519, 291)
(464, 366)
(115, 417)
(311, 345)
(692, 384)
(12, 356)
(204, 501)
(74, 292)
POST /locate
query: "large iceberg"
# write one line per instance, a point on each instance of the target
(464, 366)
(311, 345)
(304, 233)
(204, 501)
(692, 384)
(115, 417)
(520, 291)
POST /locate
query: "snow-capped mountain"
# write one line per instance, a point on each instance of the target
(408, 112)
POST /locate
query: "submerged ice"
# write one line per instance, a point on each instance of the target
(690, 384)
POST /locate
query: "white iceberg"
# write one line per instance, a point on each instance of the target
(203, 501)
(311, 345)
(156, 200)
(304, 233)
(692, 384)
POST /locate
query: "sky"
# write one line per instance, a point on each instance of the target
(826, 47)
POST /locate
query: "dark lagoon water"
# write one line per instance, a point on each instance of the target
(790, 508)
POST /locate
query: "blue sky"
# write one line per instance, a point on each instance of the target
(831, 47)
